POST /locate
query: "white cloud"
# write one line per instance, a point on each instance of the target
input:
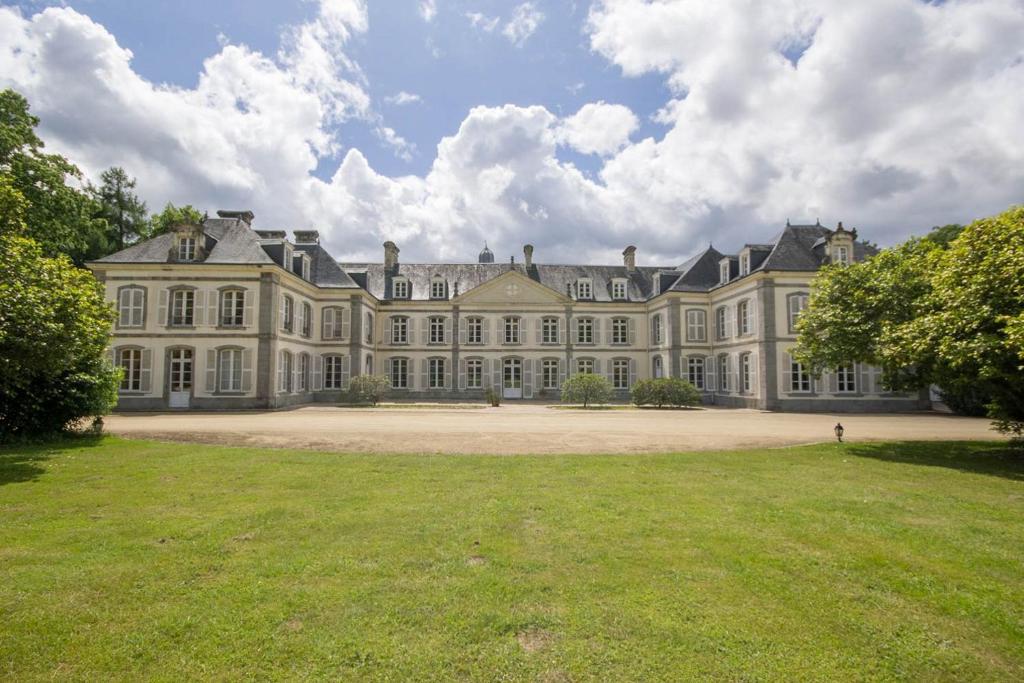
(428, 9)
(599, 128)
(402, 98)
(483, 22)
(525, 20)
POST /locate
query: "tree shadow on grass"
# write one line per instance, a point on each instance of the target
(995, 459)
(21, 462)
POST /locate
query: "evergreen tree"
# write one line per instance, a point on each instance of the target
(121, 208)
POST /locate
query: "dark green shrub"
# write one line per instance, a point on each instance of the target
(665, 391)
(368, 388)
(586, 388)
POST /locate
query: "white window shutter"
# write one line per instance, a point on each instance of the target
(280, 322)
(561, 372)
(710, 373)
(124, 307)
(462, 373)
(388, 336)
(247, 297)
(527, 379)
(346, 372)
(463, 332)
(787, 373)
(447, 375)
(161, 308)
(865, 379)
(346, 323)
(211, 370)
(597, 366)
(752, 312)
(247, 370)
(597, 331)
(496, 373)
(199, 308)
(318, 373)
(631, 331)
(424, 373)
(296, 371)
(524, 330)
(425, 332)
(486, 325)
(147, 370)
(448, 331)
(327, 323)
(280, 370)
(212, 300)
(561, 331)
(387, 369)
(540, 331)
(632, 371)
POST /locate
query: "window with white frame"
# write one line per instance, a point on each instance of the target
(620, 330)
(620, 373)
(229, 366)
(130, 361)
(800, 379)
(187, 249)
(549, 373)
(401, 288)
(744, 264)
(695, 372)
(619, 289)
(287, 313)
(842, 255)
(368, 328)
(512, 330)
(182, 308)
(696, 326)
(435, 373)
(436, 334)
(284, 372)
(232, 308)
(332, 322)
(305, 319)
(723, 272)
(720, 323)
(656, 330)
(549, 330)
(746, 378)
(474, 330)
(723, 372)
(437, 288)
(797, 304)
(846, 379)
(399, 330)
(585, 366)
(474, 373)
(743, 316)
(400, 373)
(305, 267)
(302, 381)
(584, 288)
(657, 368)
(585, 331)
(131, 305)
(333, 372)
(289, 259)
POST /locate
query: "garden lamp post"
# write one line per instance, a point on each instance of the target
(839, 431)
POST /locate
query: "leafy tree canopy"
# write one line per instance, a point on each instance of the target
(174, 215)
(586, 388)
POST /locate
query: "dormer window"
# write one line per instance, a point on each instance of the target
(619, 289)
(401, 288)
(842, 256)
(437, 288)
(584, 288)
(744, 264)
(187, 249)
(723, 272)
(305, 267)
(288, 258)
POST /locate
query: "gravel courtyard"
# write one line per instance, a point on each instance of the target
(532, 428)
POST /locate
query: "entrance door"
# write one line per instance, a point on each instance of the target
(180, 378)
(512, 378)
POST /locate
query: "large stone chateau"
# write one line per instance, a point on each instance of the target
(221, 315)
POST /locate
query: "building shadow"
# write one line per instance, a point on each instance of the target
(997, 459)
(23, 462)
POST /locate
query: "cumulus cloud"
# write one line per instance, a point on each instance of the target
(599, 128)
(482, 21)
(428, 9)
(402, 98)
(526, 18)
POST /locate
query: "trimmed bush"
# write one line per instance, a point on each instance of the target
(493, 397)
(586, 388)
(665, 391)
(368, 388)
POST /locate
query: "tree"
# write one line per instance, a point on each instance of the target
(931, 314)
(54, 329)
(121, 208)
(586, 388)
(173, 215)
(59, 216)
(664, 391)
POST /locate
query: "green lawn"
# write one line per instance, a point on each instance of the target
(133, 560)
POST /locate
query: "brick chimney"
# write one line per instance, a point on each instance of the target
(390, 255)
(528, 255)
(629, 258)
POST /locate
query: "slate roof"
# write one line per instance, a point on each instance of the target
(324, 271)
(229, 241)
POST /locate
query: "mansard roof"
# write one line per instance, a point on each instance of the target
(324, 270)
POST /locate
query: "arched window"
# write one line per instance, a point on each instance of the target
(232, 307)
(306, 319)
(695, 371)
(131, 306)
(512, 330)
(287, 312)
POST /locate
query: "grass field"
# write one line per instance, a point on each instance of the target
(124, 560)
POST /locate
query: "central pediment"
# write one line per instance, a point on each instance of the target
(511, 288)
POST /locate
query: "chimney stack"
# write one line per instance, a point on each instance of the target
(629, 258)
(245, 216)
(306, 236)
(390, 255)
(528, 255)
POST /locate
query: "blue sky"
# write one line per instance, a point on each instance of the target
(578, 126)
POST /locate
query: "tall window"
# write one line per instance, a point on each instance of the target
(474, 330)
(511, 330)
(131, 304)
(401, 288)
(399, 330)
(187, 249)
(620, 373)
(743, 316)
(585, 366)
(695, 372)
(744, 264)
(284, 372)
(435, 373)
(723, 273)
(585, 331)
(400, 373)
(303, 379)
(549, 373)
(797, 303)
(619, 290)
(368, 328)
(549, 330)
(130, 361)
(800, 379)
(620, 331)
(656, 330)
(332, 316)
(846, 379)
(182, 308)
(232, 308)
(229, 363)
(696, 329)
(306, 319)
(720, 323)
(723, 372)
(746, 379)
(474, 373)
(287, 313)
(657, 369)
(436, 330)
(332, 372)
(437, 288)
(584, 289)
(843, 256)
